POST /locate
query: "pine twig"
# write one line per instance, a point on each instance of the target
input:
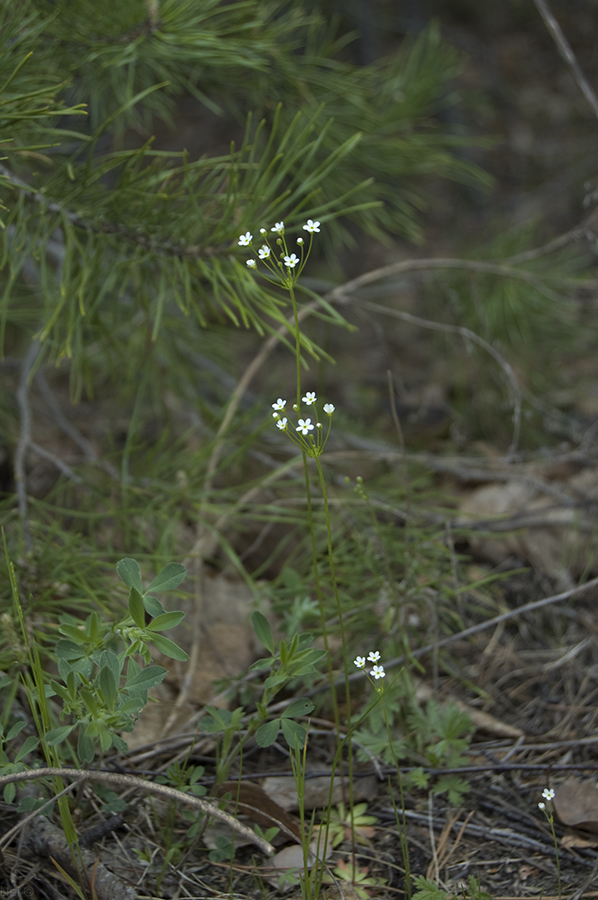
(566, 52)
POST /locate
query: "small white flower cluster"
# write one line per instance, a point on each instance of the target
(313, 445)
(548, 794)
(373, 656)
(281, 268)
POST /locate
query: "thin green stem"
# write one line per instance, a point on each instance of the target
(402, 826)
(314, 550)
(341, 627)
(297, 343)
(550, 818)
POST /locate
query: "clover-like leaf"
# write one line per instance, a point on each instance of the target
(267, 733)
(300, 707)
(294, 733)
(136, 608)
(169, 578)
(262, 630)
(130, 573)
(168, 647)
(166, 621)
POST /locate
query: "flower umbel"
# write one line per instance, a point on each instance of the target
(282, 267)
(375, 673)
(313, 444)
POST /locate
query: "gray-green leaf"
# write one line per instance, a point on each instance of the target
(130, 573)
(169, 578)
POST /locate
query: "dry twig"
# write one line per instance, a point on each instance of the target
(130, 781)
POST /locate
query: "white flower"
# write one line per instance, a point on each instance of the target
(245, 239)
(548, 794)
(360, 662)
(251, 263)
(275, 415)
(278, 228)
(280, 404)
(304, 426)
(318, 424)
(300, 241)
(282, 424)
(373, 656)
(329, 408)
(309, 398)
(542, 805)
(378, 672)
(263, 231)
(291, 261)
(264, 253)
(311, 226)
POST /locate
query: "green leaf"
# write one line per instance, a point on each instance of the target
(293, 733)
(16, 728)
(275, 681)
(136, 608)
(10, 791)
(221, 719)
(262, 630)
(105, 737)
(61, 691)
(166, 621)
(168, 647)
(29, 744)
(85, 748)
(108, 686)
(153, 606)
(427, 889)
(146, 678)
(301, 707)
(267, 733)
(169, 578)
(69, 651)
(58, 735)
(77, 636)
(265, 663)
(130, 573)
